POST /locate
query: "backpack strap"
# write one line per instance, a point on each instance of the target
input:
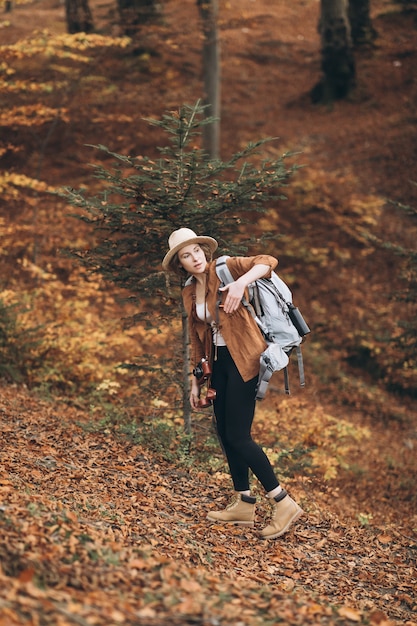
(265, 373)
(286, 381)
(300, 366)
(301, 375)
(222, 271)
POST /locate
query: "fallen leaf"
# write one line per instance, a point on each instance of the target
(349, 613)
(384, 539)
(27, 575)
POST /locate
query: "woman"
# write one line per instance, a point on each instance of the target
(224, 332)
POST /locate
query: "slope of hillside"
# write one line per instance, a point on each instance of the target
(97, 530)
(98, 525)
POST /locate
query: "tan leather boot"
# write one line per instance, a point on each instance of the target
(240, 511)
(284, 512)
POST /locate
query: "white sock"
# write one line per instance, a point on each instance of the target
(245, 493)
(274, 492)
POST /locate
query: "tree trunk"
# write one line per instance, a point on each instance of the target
(134, 13)
(79, 17)
(362, 31)
(211, 74)
(186, 371)
(337, 62)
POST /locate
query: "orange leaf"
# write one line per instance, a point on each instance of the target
(352, 614)
(190, 585)
(27, 575)
(137, 564)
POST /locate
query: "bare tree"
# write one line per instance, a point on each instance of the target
(337, 60)
(134, 13)
(362, 31)
(211, 72)
(79, 17)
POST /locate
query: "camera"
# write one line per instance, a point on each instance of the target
(202, 371)
(203, 403)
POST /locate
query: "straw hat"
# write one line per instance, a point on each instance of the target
(181, 238)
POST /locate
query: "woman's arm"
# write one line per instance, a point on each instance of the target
(195, 393)
(236, 290)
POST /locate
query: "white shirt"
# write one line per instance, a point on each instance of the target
(204, 315)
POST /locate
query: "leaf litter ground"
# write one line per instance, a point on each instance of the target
(96, 530)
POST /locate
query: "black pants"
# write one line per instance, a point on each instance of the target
(234, 408)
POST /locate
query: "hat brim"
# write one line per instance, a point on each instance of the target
(212, 243)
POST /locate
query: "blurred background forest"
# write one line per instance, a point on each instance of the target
(345, 237)
(346, 246)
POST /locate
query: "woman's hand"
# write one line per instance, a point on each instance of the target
(234, 296)
(236, 290)
(195, 393)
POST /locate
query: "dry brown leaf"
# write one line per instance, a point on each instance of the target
(351, 614)
(384, 539)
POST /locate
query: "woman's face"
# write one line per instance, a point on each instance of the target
(193, 259)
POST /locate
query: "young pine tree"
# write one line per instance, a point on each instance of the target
(144, 199)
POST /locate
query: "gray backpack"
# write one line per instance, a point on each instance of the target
(281, 323)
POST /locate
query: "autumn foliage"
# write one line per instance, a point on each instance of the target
(102, 495)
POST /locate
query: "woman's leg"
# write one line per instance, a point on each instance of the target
(234, 409)
(239, 469)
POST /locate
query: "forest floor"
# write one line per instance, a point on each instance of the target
(98, 528)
